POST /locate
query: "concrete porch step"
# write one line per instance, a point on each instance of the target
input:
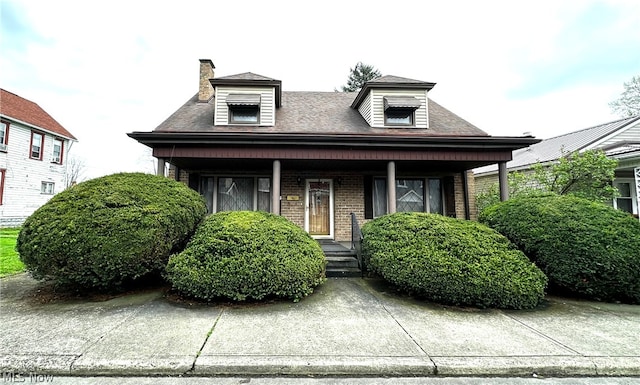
(341, 261)
(350, 272)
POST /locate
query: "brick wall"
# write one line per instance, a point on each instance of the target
(459, 193)
(348, 198)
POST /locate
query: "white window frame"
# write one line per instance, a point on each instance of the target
(4, 128)
(41, 146)
(47, 188)
(57, 159)
(632, 193)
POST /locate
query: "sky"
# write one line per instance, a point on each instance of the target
(106, 68)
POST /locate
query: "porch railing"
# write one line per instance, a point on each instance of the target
(356, 240)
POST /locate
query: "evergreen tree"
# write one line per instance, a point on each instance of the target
(359, 75)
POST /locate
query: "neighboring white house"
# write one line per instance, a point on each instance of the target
(33, 152)
(619, 140)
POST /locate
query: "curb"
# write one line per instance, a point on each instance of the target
(326, 366)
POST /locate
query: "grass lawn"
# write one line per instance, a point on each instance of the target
(9, 260)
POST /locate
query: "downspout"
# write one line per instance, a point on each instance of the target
(465, 192)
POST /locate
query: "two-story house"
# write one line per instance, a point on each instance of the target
(33, 150)
(318, 157)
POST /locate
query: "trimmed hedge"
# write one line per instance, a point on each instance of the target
(248, 255)
(587, 249)
(451, 261)
(109, 231)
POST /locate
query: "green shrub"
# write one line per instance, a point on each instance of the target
(248, 255)
(451, 261)
(588, 249)
(108, 231)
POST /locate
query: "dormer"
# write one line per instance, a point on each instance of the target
(394, 102)
(246, 99)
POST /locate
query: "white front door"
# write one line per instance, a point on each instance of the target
(318, 220)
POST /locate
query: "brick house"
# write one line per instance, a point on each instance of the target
(318, 157)
(33, 154)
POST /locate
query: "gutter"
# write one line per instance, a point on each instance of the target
(273, 139)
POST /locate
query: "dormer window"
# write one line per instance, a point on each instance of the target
(244, 108)
(400, 110)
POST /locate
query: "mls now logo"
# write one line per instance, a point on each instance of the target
(26, 378)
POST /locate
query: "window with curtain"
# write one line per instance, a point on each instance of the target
(207, 189)
(412, 195)
(264, 194)
(235, 194)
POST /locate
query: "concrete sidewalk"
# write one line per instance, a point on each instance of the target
(348, 327)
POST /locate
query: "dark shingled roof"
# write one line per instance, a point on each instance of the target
(19, 108)
(244, 76)
(317, 113)
(391, 79)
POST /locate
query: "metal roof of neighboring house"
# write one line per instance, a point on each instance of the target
(552, 149)
(18, 108)
(316, 113)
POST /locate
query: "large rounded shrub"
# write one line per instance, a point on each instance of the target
(586, 248)
(108, 231)
(248, 255)
(451, 261)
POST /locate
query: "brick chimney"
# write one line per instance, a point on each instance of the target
(206, 72)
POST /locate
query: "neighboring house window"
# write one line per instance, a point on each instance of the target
(625, 201)
(4, 135)
(47, 188)
(400, 110)
(244, 108)
(2, 172)
(58, 148)
(412, 195)
(36, 145)
(236, 193)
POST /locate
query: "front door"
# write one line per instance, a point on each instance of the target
(319, 208)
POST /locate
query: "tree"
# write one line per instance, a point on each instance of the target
(586, 175)
(359, 75)
(73, 171)
(628, 104)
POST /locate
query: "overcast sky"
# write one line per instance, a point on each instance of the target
(105, 68)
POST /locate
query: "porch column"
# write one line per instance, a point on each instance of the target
(502, 181)
(161, 166)
(391, 187)
(275, 198)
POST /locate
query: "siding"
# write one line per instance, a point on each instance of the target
(377, 103)
(24, 176)
(267, 104)
(365, 109)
